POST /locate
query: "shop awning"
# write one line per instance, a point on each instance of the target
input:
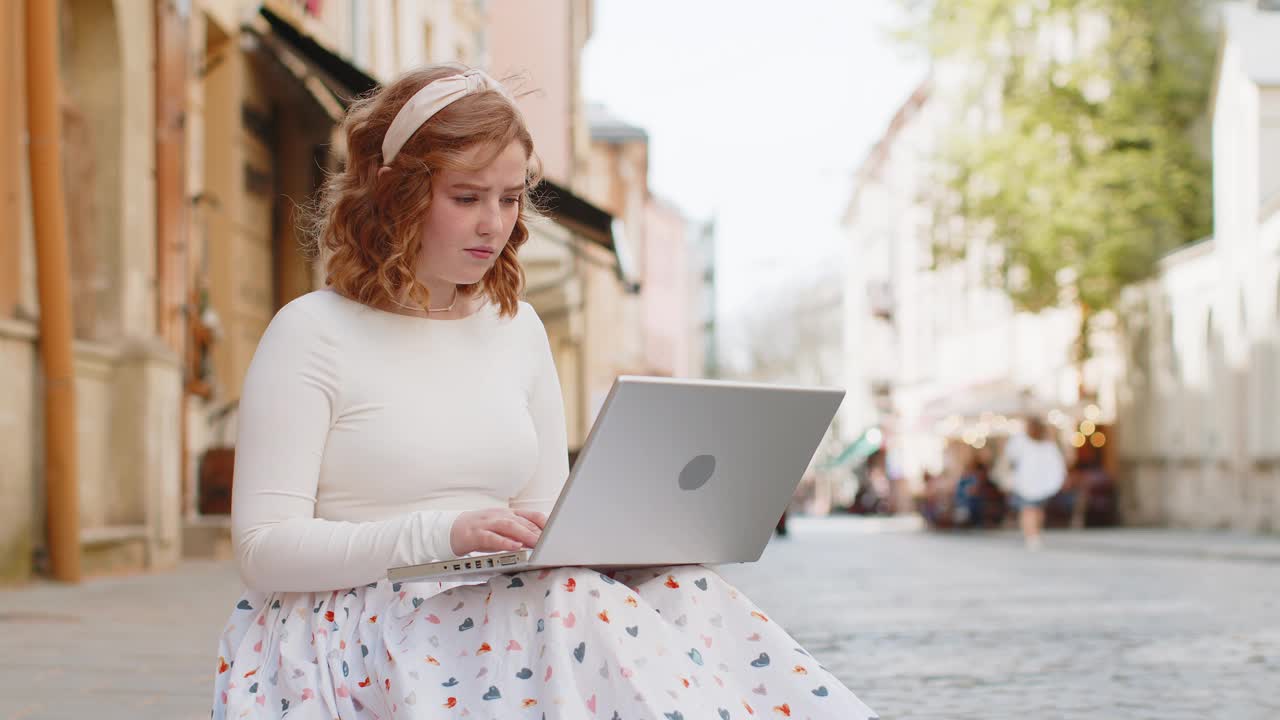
(342, 77)
(590, 222)
(998, 397)
(304, 60)
(855, 452)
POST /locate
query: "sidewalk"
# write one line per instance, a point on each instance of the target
(1197, 544)
(136, 646)
(1168, 542)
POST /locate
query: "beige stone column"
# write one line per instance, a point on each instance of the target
(18, 518)
(134, 279)
(148, 389)
(20, 522)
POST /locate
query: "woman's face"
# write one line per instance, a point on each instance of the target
(470, 219)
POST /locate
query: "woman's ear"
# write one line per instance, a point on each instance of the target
(382, 171)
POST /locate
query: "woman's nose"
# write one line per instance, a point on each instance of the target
(490, 219)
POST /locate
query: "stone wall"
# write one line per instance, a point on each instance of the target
(1197, 442)
(17, 459)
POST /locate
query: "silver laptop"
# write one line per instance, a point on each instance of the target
(673, 472)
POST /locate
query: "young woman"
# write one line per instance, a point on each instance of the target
(1037, 470)
(409, 412)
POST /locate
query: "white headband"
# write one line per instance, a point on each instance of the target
(431, 99)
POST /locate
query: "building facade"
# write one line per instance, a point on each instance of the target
(1202, 379)
(127, 377)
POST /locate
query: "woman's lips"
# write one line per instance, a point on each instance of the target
(480, 254)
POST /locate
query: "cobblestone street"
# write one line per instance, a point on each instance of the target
(972, 626)
(1123, 624)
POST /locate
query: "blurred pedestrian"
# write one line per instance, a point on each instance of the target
(1036, 470)
(970, 490)
(872, 497)
(410, 412)
(927, 503)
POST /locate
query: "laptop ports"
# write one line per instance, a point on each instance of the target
(508, 560)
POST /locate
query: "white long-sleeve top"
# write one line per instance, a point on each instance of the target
(1038, 469)
(363, 434)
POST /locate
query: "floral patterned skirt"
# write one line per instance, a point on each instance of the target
(662, 643)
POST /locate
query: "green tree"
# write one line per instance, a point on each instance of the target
(1092, 170)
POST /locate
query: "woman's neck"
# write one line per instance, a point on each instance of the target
(447, 303)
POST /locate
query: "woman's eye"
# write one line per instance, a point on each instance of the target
(465, 200)
(511, 200)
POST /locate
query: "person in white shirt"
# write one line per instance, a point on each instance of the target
(410, 412)
(1036, 471)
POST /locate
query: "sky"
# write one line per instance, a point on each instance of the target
(758, 113)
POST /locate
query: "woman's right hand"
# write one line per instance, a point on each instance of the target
(495, 530)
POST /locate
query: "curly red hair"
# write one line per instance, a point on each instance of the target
(368, 228)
